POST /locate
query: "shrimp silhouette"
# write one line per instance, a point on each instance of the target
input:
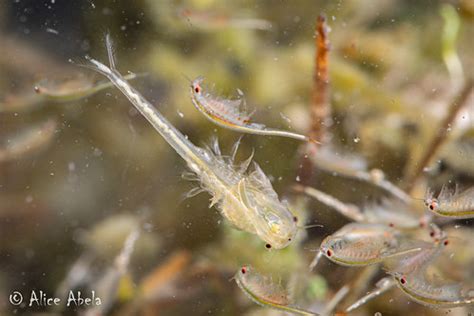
(260, 289)
(246, 199)
(230, 114)
(451, 204)
(361, 244)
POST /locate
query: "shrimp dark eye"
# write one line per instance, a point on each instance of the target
(432, 234)
(329, 252)
(268, 246)
(446, 242)
(403, 280)
(197, 89)
(431, 207)
(243, 270)
(295, 219)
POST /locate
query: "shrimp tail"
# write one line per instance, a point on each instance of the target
(110, 51)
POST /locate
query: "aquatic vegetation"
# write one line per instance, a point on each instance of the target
(386, 93)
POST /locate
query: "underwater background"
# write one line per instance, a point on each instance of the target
(86, 183)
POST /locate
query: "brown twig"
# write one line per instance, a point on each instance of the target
(320, 105)
(440, 137)
(320, 101)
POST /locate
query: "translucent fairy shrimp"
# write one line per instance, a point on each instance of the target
(231, 114)
(263, 291)
(246, 199)
(72, 89)
(392, 212)
(358, 244)
(419, 261)
(355, 167)
(451, 204)
(436, 294)
(215, 20)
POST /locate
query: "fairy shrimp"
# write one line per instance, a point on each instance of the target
(392, 212)
(451, 204)
(427, 292)
(263, 291)
(246, 199)
(360, 244)
(231, 113)
(72, 89)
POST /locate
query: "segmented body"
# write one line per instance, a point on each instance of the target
(72, 89)
(247, 200)
(391, 212)
(420, 289)
(362, 244)
(230, 114)
(455, 205)
(263, 291)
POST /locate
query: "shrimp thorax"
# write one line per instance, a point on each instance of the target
(247, 199)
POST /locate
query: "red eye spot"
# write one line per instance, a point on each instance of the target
(391, 225)
(446, 242)
(268, 246)
(243, 270)
(403, 280)
(197, 89)
(329, 252)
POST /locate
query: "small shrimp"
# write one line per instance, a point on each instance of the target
(263, 291)
(215, 20)
(72, 89)
(229, 114)
(449, 204)
(359, 244)
(418, 288)
(245, 199)
(355, 167)
(419, 261)
(391, 212)
(29, 141)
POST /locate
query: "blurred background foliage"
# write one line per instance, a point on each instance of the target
(76, 176)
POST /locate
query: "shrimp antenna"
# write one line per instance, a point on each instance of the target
(110, 50)
(310, 226)
(186, 77)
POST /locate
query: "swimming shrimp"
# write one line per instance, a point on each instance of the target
(391, 212)
(449, 204)
(412, 265)
(72, 89)
(229, 114)
(427, 292)
(412, 279)
(419, 261)
(263, 291)
(355, 167)
(358, 244)
(246, 199)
